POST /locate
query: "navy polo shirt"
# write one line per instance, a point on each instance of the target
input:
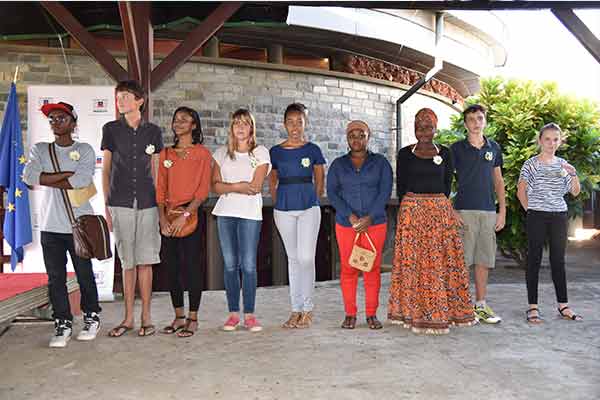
(363, 191)
(474, 173)
(131, 171)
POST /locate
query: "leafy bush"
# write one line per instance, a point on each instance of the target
(516, 111)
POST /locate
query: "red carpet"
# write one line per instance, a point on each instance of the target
(14, 284)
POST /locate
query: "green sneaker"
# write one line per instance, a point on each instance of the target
(486, 315)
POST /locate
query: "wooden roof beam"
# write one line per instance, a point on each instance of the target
(85, 39)
(138, 35)
(131, 41)
(578, 28)
(145, 36)
(193, 42)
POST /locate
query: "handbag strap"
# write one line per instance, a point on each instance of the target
(172, 150)
(63, 192)
(368, 238)
(173, 156)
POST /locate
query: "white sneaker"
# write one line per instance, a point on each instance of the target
(91, 326)
(486, 314)
(62, 333)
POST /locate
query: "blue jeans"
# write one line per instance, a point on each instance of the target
(239, 245)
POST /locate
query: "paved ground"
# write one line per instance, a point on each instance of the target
(558, 360)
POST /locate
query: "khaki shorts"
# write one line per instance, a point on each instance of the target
(137, 235)
(479, 237)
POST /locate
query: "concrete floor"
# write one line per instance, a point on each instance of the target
(557, 360)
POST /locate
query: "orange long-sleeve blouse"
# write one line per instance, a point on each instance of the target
(183, 179)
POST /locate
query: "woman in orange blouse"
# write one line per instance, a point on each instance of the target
(183, 180)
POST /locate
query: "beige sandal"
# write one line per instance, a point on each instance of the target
(292, 321)
(305, 320)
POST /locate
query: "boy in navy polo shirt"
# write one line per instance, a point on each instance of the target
(131, 146)
(478, 164)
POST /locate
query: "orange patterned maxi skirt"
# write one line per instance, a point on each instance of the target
(429, 288)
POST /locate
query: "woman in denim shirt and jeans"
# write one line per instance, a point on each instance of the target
(359, 184)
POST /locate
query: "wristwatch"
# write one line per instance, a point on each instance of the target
(187, 214)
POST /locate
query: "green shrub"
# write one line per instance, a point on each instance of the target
(516, 111)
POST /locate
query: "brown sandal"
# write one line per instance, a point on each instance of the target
(119, 330)
(374, 323)
(146, 330)
(349, 322)
(171, 329)
(187, 332)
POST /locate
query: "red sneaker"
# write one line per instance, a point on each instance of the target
(252, 324)
(231, 324)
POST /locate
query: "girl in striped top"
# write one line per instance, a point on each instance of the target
(544, 181)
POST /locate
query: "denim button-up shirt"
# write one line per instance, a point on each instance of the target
(363, 191)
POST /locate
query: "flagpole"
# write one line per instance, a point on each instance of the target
(4, 259)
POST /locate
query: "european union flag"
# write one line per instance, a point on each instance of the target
(17, 218)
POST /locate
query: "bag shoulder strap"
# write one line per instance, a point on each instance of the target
(368, 238)
(63, 192)
(370, 242)
(167, 150)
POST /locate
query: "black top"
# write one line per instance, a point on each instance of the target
(423, 175)
(131, 172)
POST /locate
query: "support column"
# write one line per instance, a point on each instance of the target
(211, 48)
(340, 62)
(275, 54)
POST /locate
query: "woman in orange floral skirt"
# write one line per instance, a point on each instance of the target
(429, 290)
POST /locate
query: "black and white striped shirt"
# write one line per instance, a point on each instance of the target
(547, 184)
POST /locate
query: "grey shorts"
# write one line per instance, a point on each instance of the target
(479, 237)
(137, 235)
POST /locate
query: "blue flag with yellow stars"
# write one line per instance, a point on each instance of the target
(17, 218)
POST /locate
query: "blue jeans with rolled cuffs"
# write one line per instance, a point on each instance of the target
(239, 245)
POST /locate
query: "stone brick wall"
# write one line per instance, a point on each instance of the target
(216, 88)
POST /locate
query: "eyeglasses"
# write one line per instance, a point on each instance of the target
(58, 119)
